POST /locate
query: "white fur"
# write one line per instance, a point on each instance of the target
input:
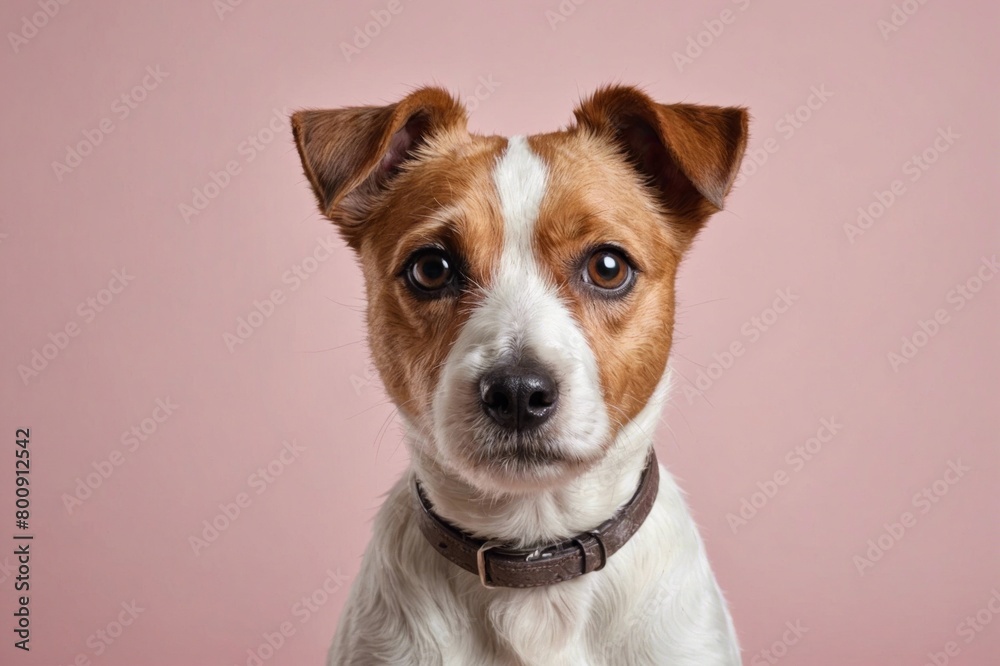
(655, 602)
(520, 314)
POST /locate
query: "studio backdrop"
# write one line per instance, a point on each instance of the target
(184, 357)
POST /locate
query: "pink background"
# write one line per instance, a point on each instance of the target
(303, 374)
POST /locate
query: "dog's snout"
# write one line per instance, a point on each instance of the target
(519, 397)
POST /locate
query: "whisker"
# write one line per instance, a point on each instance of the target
(320, 351)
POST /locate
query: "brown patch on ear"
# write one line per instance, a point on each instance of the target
(350, 155)
(689, 154)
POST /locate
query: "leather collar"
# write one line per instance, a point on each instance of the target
(498, 566)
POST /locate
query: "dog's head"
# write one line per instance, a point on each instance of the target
(520, 291)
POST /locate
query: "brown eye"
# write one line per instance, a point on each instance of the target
(430, 271)
(608, 270)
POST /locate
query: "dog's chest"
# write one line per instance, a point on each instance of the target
(544, 625)
(578, 623)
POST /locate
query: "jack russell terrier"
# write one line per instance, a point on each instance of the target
(520, 313)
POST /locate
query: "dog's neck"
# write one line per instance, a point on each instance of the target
(538, 518)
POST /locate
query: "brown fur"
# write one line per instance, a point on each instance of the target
(449, 201)
(594, 199)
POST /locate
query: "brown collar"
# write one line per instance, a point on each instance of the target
(497, 566)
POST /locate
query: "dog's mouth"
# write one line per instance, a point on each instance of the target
(520, 462)
(517, 455)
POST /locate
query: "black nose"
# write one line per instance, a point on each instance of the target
(519, 397)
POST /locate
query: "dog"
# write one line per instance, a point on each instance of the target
(520, 311)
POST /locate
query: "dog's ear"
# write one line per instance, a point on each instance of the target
(689, 154)
(351, 155)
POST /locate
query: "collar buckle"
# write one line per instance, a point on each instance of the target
(481, 562)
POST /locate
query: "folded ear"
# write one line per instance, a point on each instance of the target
(689, 154)
(350, 155)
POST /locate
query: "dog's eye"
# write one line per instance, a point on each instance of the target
(609, 270)
(430, 271)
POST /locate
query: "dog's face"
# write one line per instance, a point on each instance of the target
(520, 291)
